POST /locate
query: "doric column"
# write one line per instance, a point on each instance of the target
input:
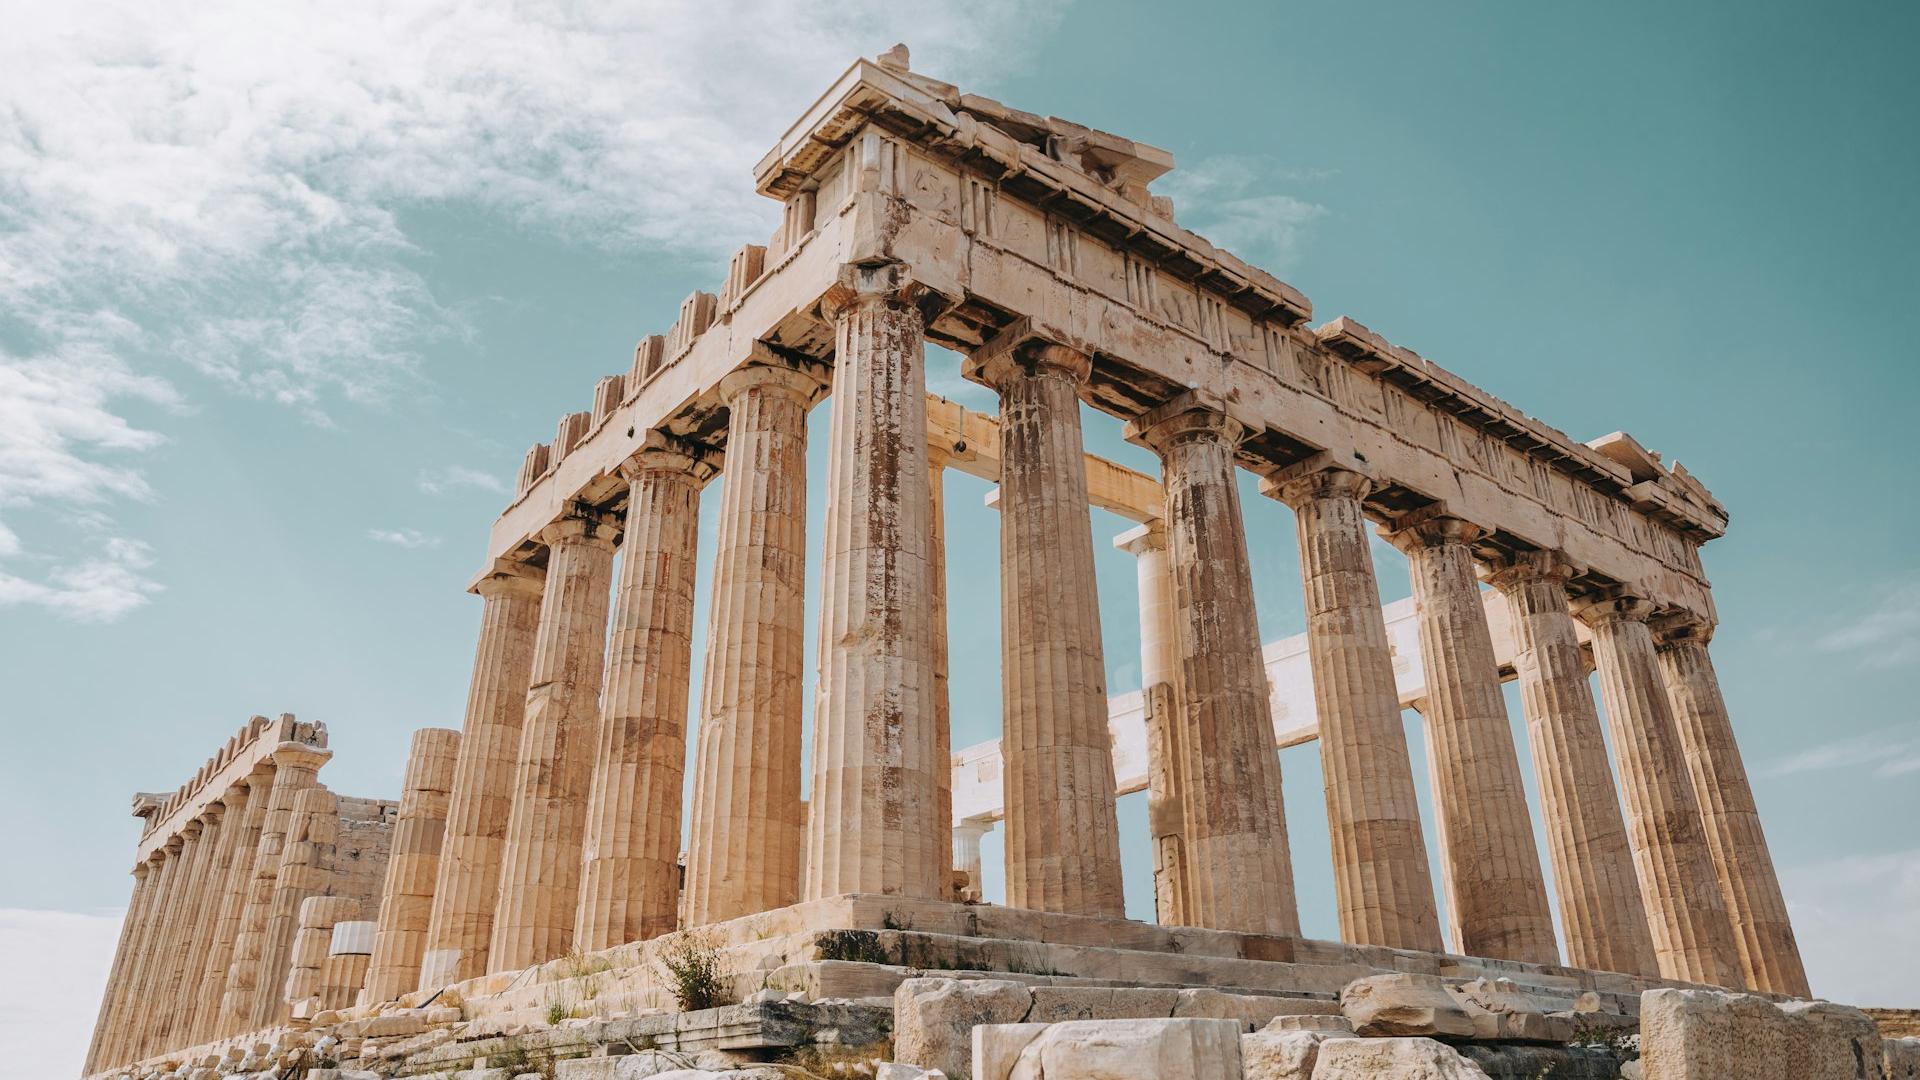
(1239, 870)
(296, 768)
(122, 1045)
(1496, 896)
(1601, 914)
(311, 942)
(1159, 673)
(1762, 933)
(540, 863)
(744, 852)
(306, 860)
(218, 882)
(937, 460)
(182, 975)
(874, 824)
(349, 955)
(406, 897)
(1379, 857)
(175, 883)
(1062, 834)
(631, 881)
(1687, 914)
(461, 925)
(113, 998)
(245, 821)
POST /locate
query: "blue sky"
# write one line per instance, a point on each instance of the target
(285, 291)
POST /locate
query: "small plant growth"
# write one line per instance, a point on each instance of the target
(694, 965)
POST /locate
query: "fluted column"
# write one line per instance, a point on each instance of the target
(296, 768)
(1762, 933)
(1601, 913)
(218, 881)
(1496, 895)
(1063, 837)
(113, 1000)
(966, 852)
(311, 942)
(461, 926)
(631, 881)
(1159, 672)
(306, 859)
(175, 883)
(182, 975)
(937, 460)
(1239, 869)
(540, 864)
(1688, 916)
(349, 956)
(874, 822)
(246, 820)
(743, 855)
(1380, 870)
(406, 896)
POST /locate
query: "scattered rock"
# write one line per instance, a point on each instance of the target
(1283, 1055)
(1399, 1058)
(1404, 1005)
(1178, 1048)
(933, 1019)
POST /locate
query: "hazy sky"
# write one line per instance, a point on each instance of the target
(286, 291)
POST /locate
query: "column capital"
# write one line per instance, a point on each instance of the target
(887, 283)
(1020, 348)
(1676, 628)
(1327, 474)
(1522, 567)
(296, 754)
(660, 452)
(1194, 414)
(509, 576)
(141, 869)
(581, 525)
(1429, 526)
(1143, 539)
(1608, 605)
(191, 828)
(768, 368)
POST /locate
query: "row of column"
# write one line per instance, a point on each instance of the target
(212, 914)
(563, 817)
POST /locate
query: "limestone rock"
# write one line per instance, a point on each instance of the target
(1174, 1048)
(1832, 1042)
(996, 1047)
(1283, 1055)
(1500, 1010)
(1328, 1022)
(1902, 1058)
(933, 1019)
(1400, 1059)
(1404, 1005)
(1709, 1035)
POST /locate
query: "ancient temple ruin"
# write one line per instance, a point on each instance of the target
(536, 856)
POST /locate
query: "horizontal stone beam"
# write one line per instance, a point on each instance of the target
(977, 795)
(972, 441)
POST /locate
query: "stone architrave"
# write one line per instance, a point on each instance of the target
(406, 896)
(1062, 832)
(873, 822)
(743, 855)
(1239, 870)
(1379, 856)
(296, 768)
(461, 925)
(306, 860)
(1159, 670)
(630, 884)
(1601, 914)
(1496, 895)
(540, 864)
(233, 900)
(1686, 911)
(1762, 933)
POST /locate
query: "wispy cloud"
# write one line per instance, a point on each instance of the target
(454, 477)
(1884, 633)
(1857, 919)
(1886, 753)
(197, 194)
(1236, 202)
(411, 539)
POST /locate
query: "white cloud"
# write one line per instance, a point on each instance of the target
(98, 588)
(441, 481)
(219, 188)
(411, 539)
(1232, 201)
(57, 965)
(1857, 920)
(1886, 634)
(1888, 752)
